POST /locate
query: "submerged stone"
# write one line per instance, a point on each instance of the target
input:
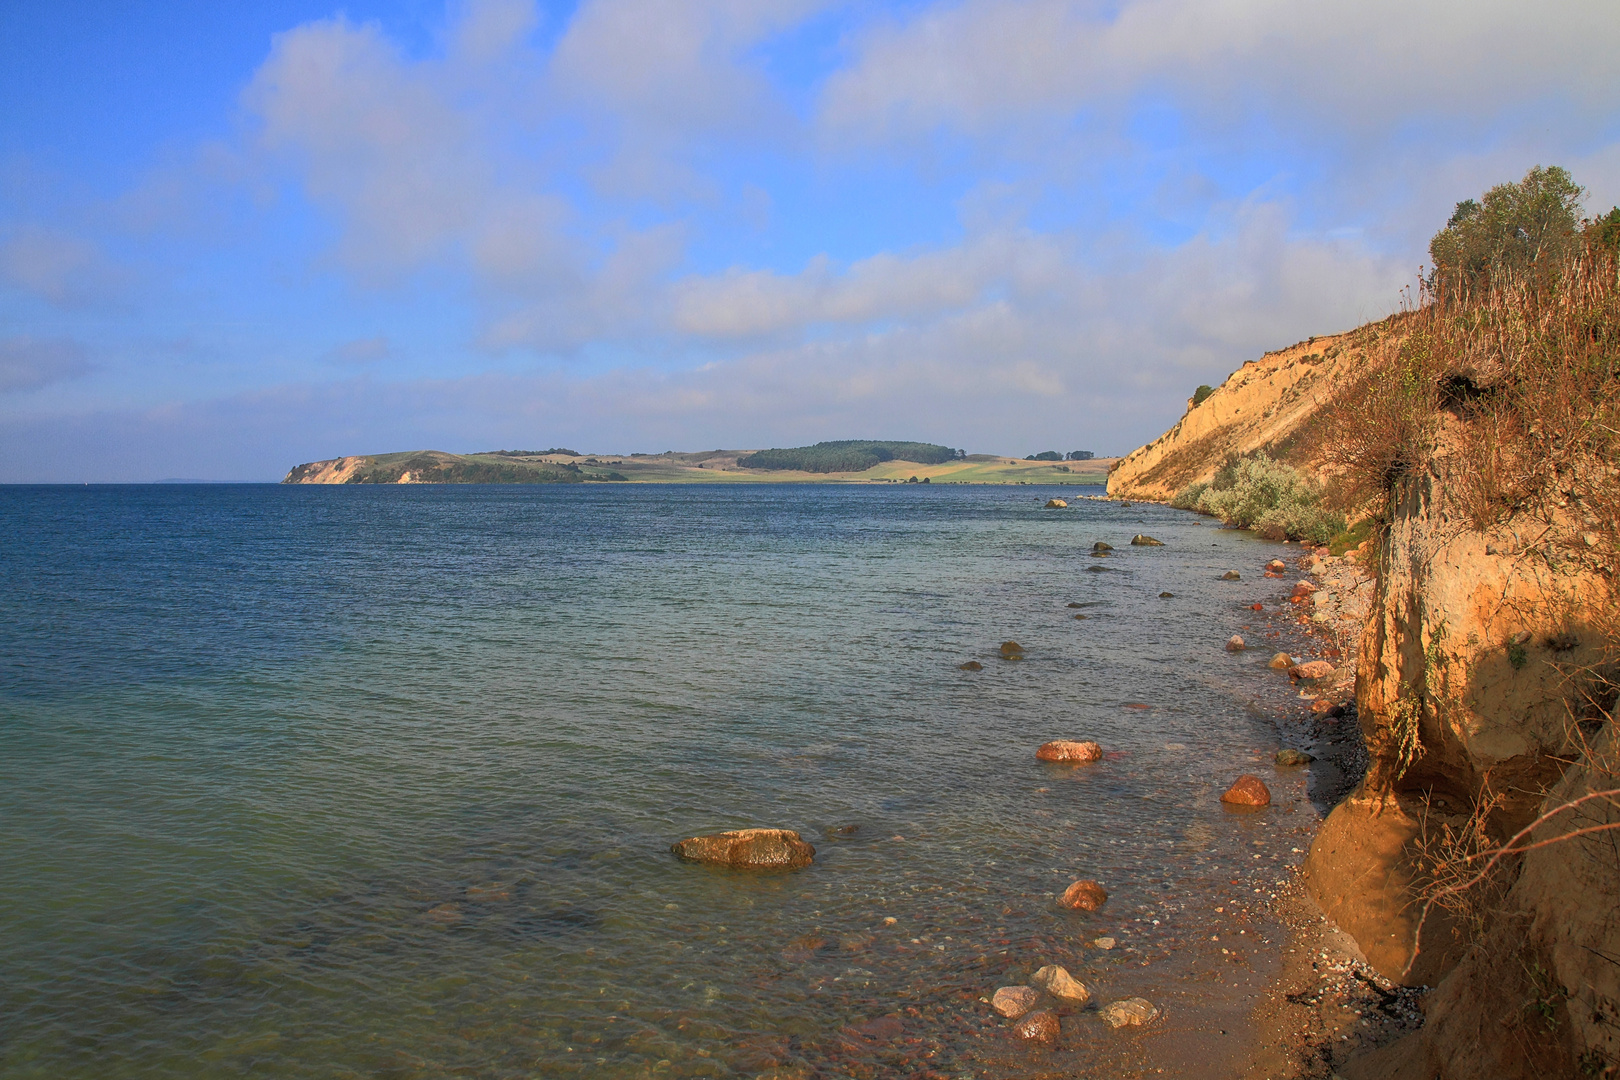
(1085, 896)
(1281, 661)
(1069, 750)
(1231, 575)
(971, 665)
(1144, 540)
(1235, 643)
(748, 849)
(1132, 1011)
(1288, 757)
(1056, 504)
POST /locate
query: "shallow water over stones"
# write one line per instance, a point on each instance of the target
(324, 781)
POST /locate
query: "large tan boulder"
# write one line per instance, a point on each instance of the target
(748, 849)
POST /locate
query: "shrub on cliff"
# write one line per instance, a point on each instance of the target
(1270, 497)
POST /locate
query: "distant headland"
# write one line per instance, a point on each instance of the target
(849, 461)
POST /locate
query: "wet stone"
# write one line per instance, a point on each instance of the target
(1100, 546)
(1281, 662)
(1167, 596)
(1039, 1027)
(1014, 1001)
(1085, 896)
(747, 849)
(971, 665)
(1231, 575)
(1247, 790)
(1144, 540)
(1289, 757)
(1235, 643)
(1057, 982)
(1011, 650)
(1056, 504)
(1069, 750)
(1132, 1012)
(1313, 669)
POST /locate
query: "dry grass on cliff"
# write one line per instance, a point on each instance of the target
(1524, 376)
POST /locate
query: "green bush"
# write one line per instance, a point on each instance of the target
(1270, 497)
(1201, 395)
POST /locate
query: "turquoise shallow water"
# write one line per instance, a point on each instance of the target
(303, 781)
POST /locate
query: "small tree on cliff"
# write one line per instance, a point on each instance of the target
(1511, 228)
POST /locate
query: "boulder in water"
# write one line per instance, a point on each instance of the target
(1311, 669)
(1231, 575)
(1060, 984)
(1281, 662)
(1041, 1027)
(1247, 790)
(1276, 566)
(1085, 896)
(971, 665)
(1144, 540)
(1100, 546)
(1131, 1011)
(1290, 757)
(1167, 596)
(1056, 504)
(1069, 750)
(748, 849)
(1014, 1001)
(1235, 643)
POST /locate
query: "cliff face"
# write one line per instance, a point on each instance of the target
(1483, 692)
(1486, 683)
(1267, 404)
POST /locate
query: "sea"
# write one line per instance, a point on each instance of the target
(303, 781)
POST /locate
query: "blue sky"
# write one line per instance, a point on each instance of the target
(236, 237)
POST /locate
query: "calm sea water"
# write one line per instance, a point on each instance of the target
(380, 782)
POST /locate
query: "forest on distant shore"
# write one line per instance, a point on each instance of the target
(848, 455)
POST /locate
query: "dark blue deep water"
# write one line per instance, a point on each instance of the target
(381, 781)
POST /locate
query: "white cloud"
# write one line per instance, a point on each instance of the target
(1374, 64)
(59, 267)
(28, 363)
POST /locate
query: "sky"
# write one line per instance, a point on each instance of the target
(238, 237)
